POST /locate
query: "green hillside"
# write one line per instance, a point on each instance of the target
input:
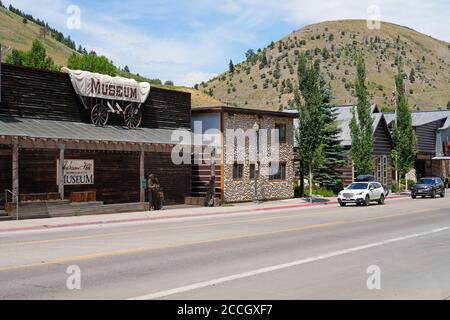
(15, 34)
(267, 78)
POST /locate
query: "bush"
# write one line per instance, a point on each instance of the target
(411, 183)
(395, 189)
(320, 192)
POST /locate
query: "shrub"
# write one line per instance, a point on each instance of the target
(320, 192)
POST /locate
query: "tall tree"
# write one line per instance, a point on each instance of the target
(361, 125)
(231, 66)
(35, 58)
(327, 174)
(404, 153)
(311, 120)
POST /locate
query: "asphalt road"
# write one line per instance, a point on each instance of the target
(309, 253)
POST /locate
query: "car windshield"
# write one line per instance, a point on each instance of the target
(357, 186)
(426, 181)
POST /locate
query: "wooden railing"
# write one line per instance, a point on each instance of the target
(8, 206)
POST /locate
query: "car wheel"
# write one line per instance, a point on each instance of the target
(423, 197)
(342, 204)
(381, 201)
(433, 194)
(367, 201)
(413, 196)
(443, 194)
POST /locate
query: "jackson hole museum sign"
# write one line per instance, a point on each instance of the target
(76, 172)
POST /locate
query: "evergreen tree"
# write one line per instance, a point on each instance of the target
(231, 66)
(16, 57)
(361, 125)
(412, 74)
(327, 174)
(277, 71)
(404, 138)
(126, 69)
(311, 120)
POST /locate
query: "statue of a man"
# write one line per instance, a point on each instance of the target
(154, 197)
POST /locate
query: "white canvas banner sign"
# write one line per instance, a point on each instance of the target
(95, 85)
(76, 172)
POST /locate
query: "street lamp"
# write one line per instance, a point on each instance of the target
(256, 128)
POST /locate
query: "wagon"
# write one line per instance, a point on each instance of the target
(102, 95)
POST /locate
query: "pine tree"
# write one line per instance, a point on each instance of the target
(327, 174)
(412, 74)
(311, 120)
(231, 66)
(404, 138)
(361, 126)
(16, 57)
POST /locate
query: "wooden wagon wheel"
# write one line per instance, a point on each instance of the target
(99, 115)
(132, 116)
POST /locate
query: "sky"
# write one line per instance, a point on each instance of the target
(190, 41)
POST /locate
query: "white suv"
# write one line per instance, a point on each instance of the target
(362, 193)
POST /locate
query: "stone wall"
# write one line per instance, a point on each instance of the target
(244, 189)
(440, 168)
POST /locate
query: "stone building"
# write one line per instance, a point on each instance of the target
(238, 164)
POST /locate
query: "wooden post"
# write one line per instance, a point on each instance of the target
(142, 175)
(213, 164)
(61, 172)
(15, 170)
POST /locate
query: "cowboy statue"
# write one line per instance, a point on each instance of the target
(154, 196)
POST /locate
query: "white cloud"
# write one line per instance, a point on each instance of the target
(198, 53)
(195, 77)
(429, 17)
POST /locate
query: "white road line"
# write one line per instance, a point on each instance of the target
(252, 273)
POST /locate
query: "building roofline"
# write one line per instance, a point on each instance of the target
(243, 111)
(68, 76)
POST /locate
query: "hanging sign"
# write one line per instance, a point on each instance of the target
(76, 172)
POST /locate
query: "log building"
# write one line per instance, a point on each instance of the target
(45, 124)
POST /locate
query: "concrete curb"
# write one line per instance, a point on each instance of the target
(178, 216)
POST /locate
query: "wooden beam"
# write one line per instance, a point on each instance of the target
(61, 172)
(142, 175)
(15, 169)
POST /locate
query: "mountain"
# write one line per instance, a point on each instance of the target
(15, 34)
(268, 77)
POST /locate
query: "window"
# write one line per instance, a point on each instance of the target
(381, 173)
(277, 171)
(238, 171)
(253, 172)
(281, 132)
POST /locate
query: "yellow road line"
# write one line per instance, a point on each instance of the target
(153, 248)
(70, 259)
(146, 231)
(110, 234)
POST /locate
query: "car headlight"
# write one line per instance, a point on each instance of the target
(360, 193)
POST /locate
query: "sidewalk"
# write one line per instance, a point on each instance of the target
(170, 212)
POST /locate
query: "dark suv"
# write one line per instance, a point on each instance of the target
(428, 187)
